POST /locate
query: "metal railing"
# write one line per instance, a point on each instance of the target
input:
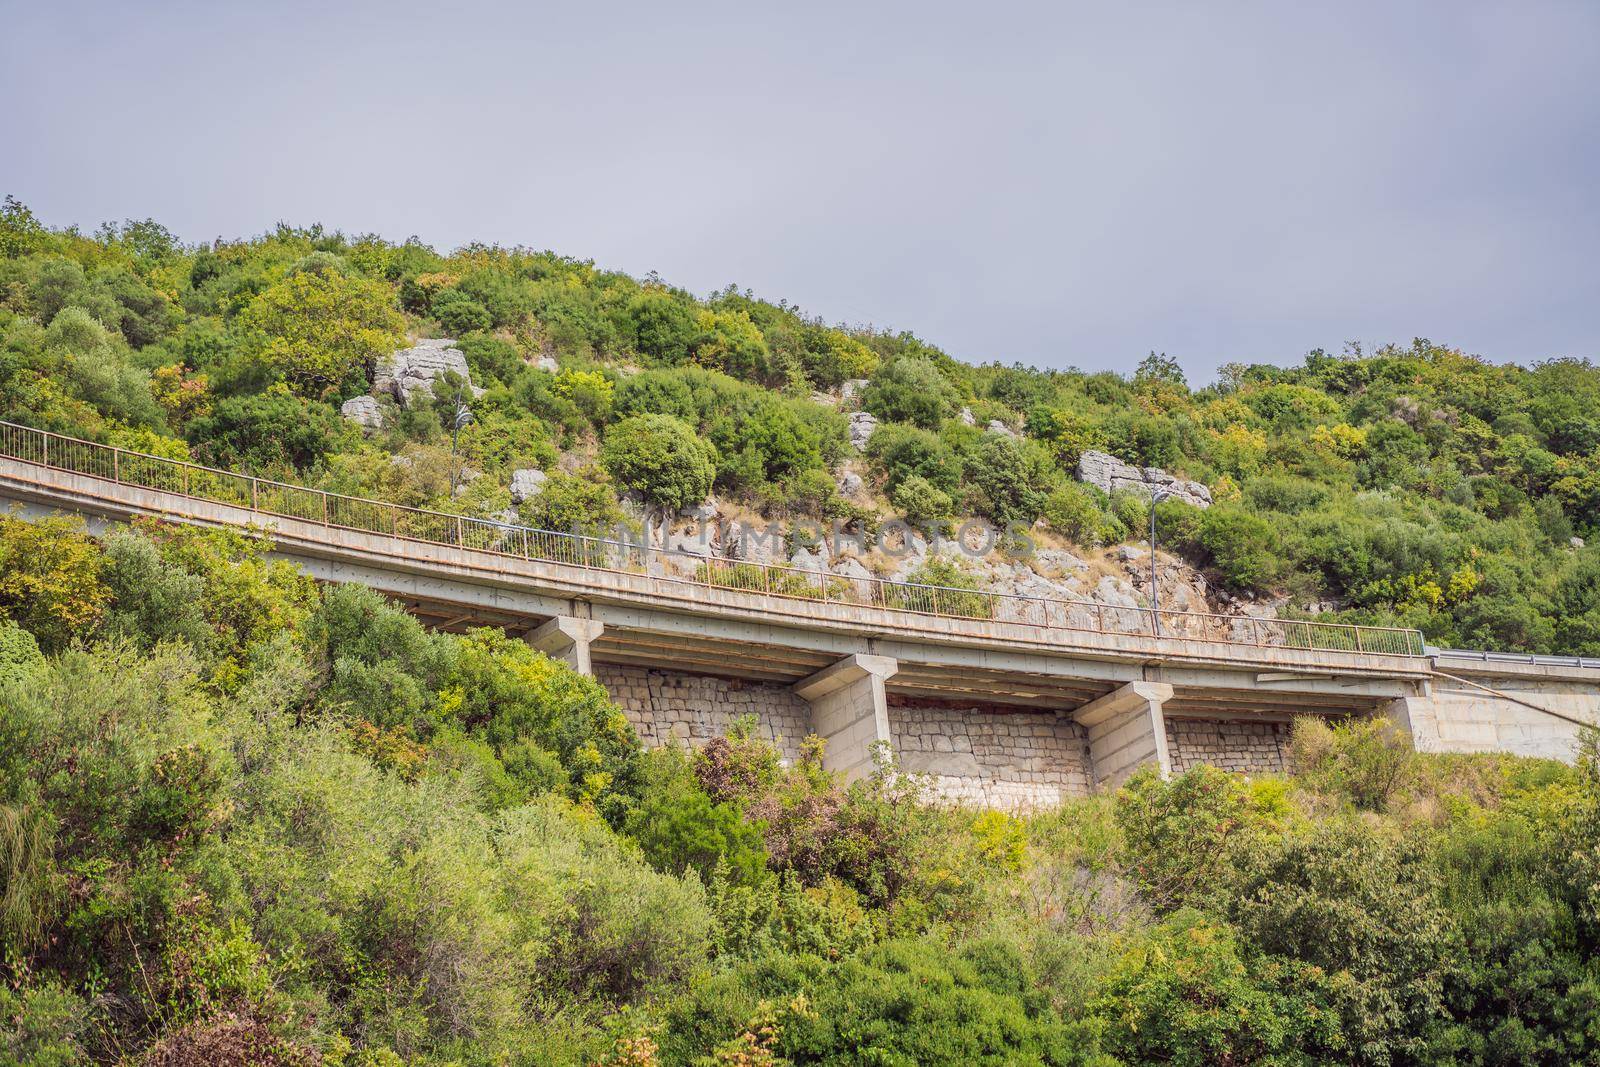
(285, 500)
(1538, 659)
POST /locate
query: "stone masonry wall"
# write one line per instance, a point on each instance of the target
(694, 708)
(991, 757)
(1250, 747)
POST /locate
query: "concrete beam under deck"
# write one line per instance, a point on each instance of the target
(684, 626)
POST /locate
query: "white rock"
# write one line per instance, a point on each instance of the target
(1111, 475)
(862, 426)
(548, 363)
(805, 560)
(850, 567)
(996, 426)
(704, 511)
(851, 388)
(751, 543)
(413, 370)
(967, 417)
(850, 484)
(526, 484)
(1576, 542)
(364, 411)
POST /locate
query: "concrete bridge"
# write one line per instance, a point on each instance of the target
(1002, 700)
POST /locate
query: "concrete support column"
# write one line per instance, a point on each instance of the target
(567, 639)
(849, 711)
(1126, 731)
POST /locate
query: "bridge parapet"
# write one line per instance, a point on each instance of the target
(190, 492)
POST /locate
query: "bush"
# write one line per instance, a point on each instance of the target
(904, 1001)
(662, 325)
(1363, 911)
(458, 313)
(503, 691)
(1009, 480)
(662, 458)
(268, 434)
(911, 390)
(583, 503)
(1371, 762)
(1191, 994)
(51, 579)
(1178, 833)
(679, 827)
(1074, 511)
(921, 502)
(902, 451)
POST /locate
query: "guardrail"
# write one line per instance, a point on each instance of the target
(285, 500)
(1480, 656)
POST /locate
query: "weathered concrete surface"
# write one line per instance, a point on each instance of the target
(1527, 709)
(567, 639)
(1126, 732)
(849, 711)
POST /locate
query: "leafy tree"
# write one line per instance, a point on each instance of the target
(913, 391)
(51, 579)
(316, 328)
(660, 456)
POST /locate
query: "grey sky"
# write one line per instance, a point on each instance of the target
(1050, 183)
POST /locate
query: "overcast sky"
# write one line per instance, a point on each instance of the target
(1057, 184)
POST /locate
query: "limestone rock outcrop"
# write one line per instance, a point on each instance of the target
(1111, 474)
(862, 426)
(363, 411)
(526, 484)
(413, 370)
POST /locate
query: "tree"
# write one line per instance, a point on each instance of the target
(51, 579)
(317, 327)
(662, 458)
(662, 324)
(911, 390)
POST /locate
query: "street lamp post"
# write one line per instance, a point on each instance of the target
(462, 417)
(1156, 497)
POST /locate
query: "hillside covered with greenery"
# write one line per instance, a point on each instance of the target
(245, 819)
(1414, 486)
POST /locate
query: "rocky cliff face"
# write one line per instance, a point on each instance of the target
(1111, 475)
(415, 369)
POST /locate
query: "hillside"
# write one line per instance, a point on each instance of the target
(1415, 486)
(249, 820)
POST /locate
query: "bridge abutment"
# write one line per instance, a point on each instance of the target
(850, 711)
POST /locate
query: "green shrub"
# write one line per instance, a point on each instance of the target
(661, 457)
(900, 1002)
(1191, 994)
(1371, 762)
(912, 391)
(921, 502)
(1361, 909)
(902, 451)
(680, 828)
(1178, 833)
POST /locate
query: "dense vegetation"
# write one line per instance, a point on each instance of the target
(245, 820)
(1415, 486)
